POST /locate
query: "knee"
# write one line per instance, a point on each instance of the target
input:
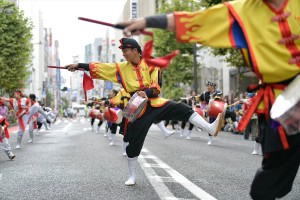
(132, 152)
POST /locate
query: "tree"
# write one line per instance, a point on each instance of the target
(15, 48)
(180, 72)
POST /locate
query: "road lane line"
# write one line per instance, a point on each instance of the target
(0, 176)
(161, 189)
(176, 176)
(67, 126)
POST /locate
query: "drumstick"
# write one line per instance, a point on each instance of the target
(61, 67)
(118, 26)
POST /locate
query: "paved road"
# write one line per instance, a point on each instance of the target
(72, 162)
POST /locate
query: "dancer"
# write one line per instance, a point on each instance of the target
(112, 126)
(191, 101)
(33, 121)
(272, 52)
(205, 97)
(136, 76)
(96, 104)
(4, 135)
(24, 111)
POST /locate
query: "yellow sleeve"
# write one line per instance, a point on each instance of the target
(104, 71)
(209, 27)
(154, 76)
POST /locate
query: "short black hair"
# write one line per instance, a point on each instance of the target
(115, 92)
(32, 96)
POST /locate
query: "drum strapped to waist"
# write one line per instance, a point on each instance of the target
(95, 113)
(113, 115)
(134, 107)
(215, 107)
(286, 108)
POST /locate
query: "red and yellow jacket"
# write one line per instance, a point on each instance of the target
(269, 40)
(132, 78)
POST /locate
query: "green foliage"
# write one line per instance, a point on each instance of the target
(208, 3)
(181, 68)
(232, 56)
(15, 48)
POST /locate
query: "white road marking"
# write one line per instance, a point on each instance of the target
(158, 182)
(58, 121)
(67, 126)
(161, 189)
(0, 176)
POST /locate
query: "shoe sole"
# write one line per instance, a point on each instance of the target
(12, 157)
(219, 125)
(130, 184)
(169, 135)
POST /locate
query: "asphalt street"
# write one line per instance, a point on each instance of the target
(73, 162)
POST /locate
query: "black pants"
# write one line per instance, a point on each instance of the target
(191, 126)
(93, 120)
(138, 130)
(113, 128)
(279, 168)
(173, 122)
(39, 124)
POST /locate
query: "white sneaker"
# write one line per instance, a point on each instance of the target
(111, 144)
(209, 140)
(124, 154)
(30, 141)
(130, 182)
(18, 146)
(254, 153)
(11, 156)
(169, 134)
(188, 138)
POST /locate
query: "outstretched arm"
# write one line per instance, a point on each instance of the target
(76, 66)
(164, 21)
(4, 99)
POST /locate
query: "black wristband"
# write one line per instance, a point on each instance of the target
(84, 66)
(157, 21)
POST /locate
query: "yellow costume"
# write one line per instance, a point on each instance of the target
(269, 40)
(132, 78)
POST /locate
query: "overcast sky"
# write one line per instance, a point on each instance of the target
(73, 34)
(62, 17)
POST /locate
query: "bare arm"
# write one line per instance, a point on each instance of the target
(4, 99)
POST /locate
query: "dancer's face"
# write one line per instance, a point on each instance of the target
(17, 95)
(130, 54)
(210, 88)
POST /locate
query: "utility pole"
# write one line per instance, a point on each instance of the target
(195, 85)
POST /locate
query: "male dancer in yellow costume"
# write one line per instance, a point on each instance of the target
(136, 76)
(268, 33)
